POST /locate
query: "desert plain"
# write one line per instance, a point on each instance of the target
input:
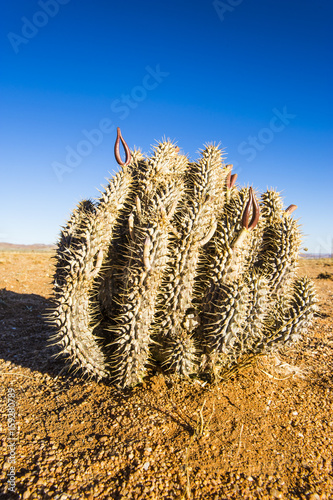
(265, 433)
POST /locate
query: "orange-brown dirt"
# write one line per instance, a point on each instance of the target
(266, 433)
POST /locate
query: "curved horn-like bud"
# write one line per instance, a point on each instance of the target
(209, 235)
(255, 213)
(246, 214)
(146, 250)
(233, 178)
(117, 152)
(131, 224)
(290, 209)
(253, 205)
(228, 181)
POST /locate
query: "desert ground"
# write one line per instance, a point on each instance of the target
(267, 433)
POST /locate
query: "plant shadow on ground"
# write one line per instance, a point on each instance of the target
(25, 343)
(24, 332)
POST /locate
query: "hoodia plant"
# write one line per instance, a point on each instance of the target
(174, 265)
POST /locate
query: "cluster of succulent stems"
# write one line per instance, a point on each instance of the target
(175, 268)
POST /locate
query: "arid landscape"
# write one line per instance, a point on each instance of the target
(267, 433)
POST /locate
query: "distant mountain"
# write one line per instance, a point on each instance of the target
(315, 255)
(37, 247)
(40, 247)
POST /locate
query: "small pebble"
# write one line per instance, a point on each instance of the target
(275, 493)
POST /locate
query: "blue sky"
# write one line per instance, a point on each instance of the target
(253, 75)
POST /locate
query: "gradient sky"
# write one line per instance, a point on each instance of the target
(253, 75)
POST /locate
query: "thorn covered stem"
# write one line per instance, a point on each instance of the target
(231, 179)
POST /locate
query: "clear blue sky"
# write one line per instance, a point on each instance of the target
(254, 75)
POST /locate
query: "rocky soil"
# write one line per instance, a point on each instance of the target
(266, 434)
